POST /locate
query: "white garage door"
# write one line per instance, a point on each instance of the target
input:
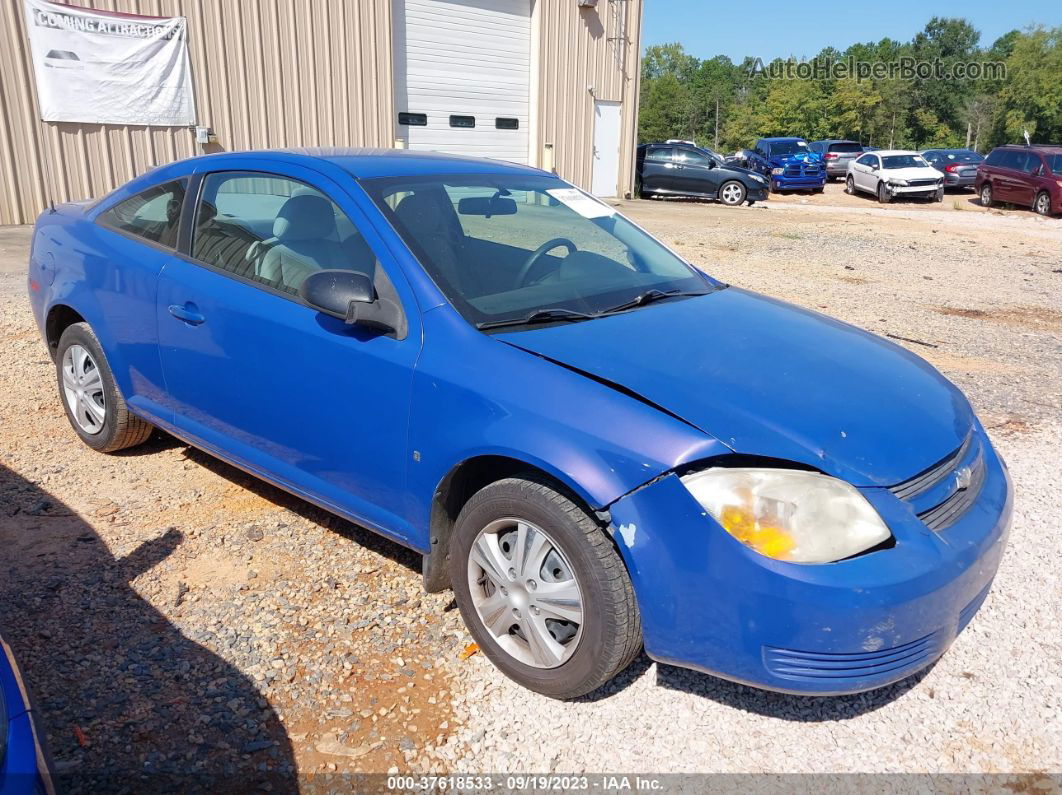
(462, 76)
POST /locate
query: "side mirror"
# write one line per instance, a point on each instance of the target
(350, 295)
(874, 167)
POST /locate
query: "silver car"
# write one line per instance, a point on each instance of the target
(837, 154)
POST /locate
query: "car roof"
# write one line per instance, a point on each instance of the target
(368, 163)
(835, 141)
(784, 138)
(1051, 149)
(887, 152)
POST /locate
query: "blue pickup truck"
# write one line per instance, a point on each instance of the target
(788, 163)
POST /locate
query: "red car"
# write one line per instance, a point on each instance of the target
(1027, 175)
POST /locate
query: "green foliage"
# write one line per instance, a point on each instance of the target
(680, 94)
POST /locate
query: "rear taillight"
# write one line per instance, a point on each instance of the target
(831, 156)
(952, 167)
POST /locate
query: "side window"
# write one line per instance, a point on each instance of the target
(659, 153)
(995, 157)
(152, 215)
(816, 147)
(1032, 165)
(691, 158)
(868, 160)
(274, 230)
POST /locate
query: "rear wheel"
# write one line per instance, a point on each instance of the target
(1042, 205)
(732, 193)
(94, 406)
(986, 195)
(542, 590)
(883, 194)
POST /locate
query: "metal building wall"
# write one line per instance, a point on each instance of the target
(578, 48)
(267, 73)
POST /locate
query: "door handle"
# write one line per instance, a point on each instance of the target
(188, 313)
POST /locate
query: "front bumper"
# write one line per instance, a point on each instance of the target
(757, 194)
(913, 191)
(710, 603)
(782, 182)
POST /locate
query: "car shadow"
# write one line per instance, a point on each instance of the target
(127, 701)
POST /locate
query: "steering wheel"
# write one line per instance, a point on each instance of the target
(549, 245)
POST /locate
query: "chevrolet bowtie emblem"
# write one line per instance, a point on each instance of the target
(962, 478)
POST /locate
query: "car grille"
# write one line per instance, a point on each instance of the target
(922, 183)
(812, 666)
(801, 170)
(968, 463)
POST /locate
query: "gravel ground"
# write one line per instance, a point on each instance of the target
(173, 614)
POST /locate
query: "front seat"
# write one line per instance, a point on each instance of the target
(304, 240)
(422, 217)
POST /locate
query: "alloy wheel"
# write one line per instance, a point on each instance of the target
(986, 196)
(1043, 204)
(732, 193)
(83, 389)
(526, 593)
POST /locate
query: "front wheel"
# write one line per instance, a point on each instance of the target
(732, 193)
(939, 195)
(542, 589)
(849, 186)
(986, 195)
(1042, 205)
(884, 197)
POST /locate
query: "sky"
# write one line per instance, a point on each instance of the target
(781, 28)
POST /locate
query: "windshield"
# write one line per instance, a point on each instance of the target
(788, 147)
(502, 247)
(904, 161)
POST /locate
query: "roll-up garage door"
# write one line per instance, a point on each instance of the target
(462, 76)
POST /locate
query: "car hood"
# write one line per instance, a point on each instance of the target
(770, 379)
(914, 172)
(797, 157)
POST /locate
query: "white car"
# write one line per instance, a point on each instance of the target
(888, 173)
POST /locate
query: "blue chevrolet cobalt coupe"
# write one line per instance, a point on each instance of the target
(597, 446)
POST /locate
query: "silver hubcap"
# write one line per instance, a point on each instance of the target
(526, 593)
(83, 389)
(1041, 204)
(986, 196)
(731, 194)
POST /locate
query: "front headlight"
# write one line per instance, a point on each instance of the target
(777, 170)
(758, 178)
(901, 182)
(786, 514)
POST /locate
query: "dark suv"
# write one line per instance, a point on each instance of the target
(1030, 176)
(681, 169)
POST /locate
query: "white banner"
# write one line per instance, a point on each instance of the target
(108, 68)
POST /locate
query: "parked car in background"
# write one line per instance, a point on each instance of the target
(1030, 176)
(24, 764)
(891, 173)
(677, 169)
(836, 154)
(959, 166)
(593, 442)
(788, 163)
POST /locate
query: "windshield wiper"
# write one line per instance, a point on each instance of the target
(538, 316)
(650, 296)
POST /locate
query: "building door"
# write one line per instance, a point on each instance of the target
(605, 177)
(463, 76)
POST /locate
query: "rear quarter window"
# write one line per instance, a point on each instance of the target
(153, 215)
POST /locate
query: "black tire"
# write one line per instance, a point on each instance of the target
(774, 187)
(884, 197)
(611, 630)
(638, 187)
(1042, 203)
(986, 195)
(120, 428)
(939, 195)
(849, 186)
(736, 197)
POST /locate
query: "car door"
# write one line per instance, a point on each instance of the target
(658, 169)
(863, 173)
(1011, 166)
(1024, 190)
(695, 173)
(257, 376)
